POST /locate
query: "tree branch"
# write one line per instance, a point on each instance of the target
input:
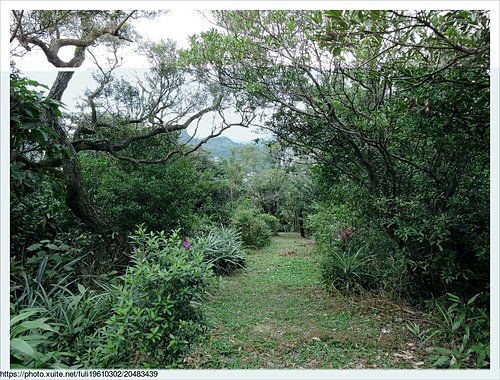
(44, 165)
(18, 25)
(178, 151)
(106, 146)
(52, 49)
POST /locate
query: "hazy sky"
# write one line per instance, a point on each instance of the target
(177, 25)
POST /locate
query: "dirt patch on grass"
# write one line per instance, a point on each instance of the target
(353, 336)
(293, 254)
(271, 330)
(263, 328)
(324, 335)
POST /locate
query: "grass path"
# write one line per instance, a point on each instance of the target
(275, 314)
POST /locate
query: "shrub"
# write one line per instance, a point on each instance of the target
(341, 233)
(52, 314)
(348, 269)
(273, 223)
(223, 249)
(37, 212)
(464, 328)
(158, 314)
(253, 226)
(177, 192)
(30, 340)
(327, 220)
(460, 330)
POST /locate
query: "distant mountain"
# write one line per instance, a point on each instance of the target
(218, 147)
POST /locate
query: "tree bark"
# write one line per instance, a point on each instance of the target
(77, 197)
(78, 200)
(301, 225)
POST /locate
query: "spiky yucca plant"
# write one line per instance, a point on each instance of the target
(224, 250)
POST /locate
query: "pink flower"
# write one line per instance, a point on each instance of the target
(345, 233)
(186, 244)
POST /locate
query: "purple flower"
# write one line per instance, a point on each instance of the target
(186, 244)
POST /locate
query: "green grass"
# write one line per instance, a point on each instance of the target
(275, 314)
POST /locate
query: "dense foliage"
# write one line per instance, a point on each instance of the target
(164, 196)
(158, 305)
(394, 119)
(254, 225)
(380, 125)
(36, 197)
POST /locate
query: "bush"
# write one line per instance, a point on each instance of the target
(460, 330)
(273, 223)
(365, 258)
(346, 238)
(326, 221)
(38, 340)
(223, 249)
(348, 269)
(178, 192)
(57, 333)
(30, 337)
(37, 212)
(52, 317)
(158, 314)
(253, 226)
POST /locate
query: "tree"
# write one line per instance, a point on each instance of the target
(36, 206)
(117, 114)
(268, 189)
(393, 102)
(166, 196)
(321, 100)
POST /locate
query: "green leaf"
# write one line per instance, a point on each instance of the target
(64, 247)
(17, 366)
(36, 84)
(316, 17)
(22, 346)
(443, 350)
(453, 298)
(35, 340)
(334, 13)
(38, 324)
(456, 325)
(441, 361)
(24, 315)
(34, 247)
(81, 289)
(472, 300)
(456, 365)
(336, 51)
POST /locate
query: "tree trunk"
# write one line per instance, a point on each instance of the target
(78, 200)
(301, 225)
(77, 197)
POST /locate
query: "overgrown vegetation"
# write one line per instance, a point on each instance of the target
(223, 249)
(379, 125)
(158, 313)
